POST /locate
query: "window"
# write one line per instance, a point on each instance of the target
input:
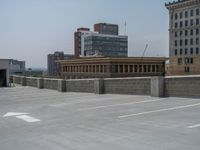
(181, 33)
(191, 12)
(197, 21)
(186, 23)
(197, 31)
(197, 11)
(191, 32)
(181, 24)
(175, 34)
(186, 51)
(191, 51)
(187, 69)
(197, 41)
(186, 32)
(191, 22)
(179, 61)
(191, 60)
(176, 16)
(181, 42)
(186, 42)
(175, 42)
(175, 52)
(181, 15)
(197, 50)
(181, 51)
(191, 42)
(187, 61)
(176, 25)
(186, 14)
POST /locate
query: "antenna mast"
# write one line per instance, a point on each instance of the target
(145, 50)
(125, 28)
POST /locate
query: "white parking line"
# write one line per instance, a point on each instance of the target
(28, 118)
(194, 126)
(123, 104)
(159, 110)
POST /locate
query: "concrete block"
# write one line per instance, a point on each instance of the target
(40, 83)
(99, 86)
(157, 86)
(23, 81)
(61, 85)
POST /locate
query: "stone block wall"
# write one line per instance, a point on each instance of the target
(182, 86)
(137, 86)
(186, 86)
(51, 84)
(83, 85)
(30, 81)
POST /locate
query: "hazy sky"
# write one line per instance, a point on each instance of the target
(30, 29)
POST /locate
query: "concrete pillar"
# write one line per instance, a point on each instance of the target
(157, 86)
(61, 85)
(40, 83)
(99, 86)
(23, 81)
(118, 68)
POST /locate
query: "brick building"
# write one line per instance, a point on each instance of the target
(184, 34)
(112, 67)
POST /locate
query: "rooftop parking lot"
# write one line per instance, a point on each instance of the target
(34, 119)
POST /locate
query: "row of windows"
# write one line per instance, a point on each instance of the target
(186, 14)
(115, 68)
(185, 61)
(186, 51)
(187, 32)
(182, 24)
(186, 42)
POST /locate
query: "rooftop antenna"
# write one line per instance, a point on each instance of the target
(145, 50)
(125, 28)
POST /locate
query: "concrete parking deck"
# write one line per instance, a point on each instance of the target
(34, 119)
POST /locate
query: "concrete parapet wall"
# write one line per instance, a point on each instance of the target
(179, 86)
(83, 85)
(137, 86)
(182, 86)
(50, 84)
(31, 81)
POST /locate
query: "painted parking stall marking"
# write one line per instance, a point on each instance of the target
(23, 116)
(194, 126)
(159, 110)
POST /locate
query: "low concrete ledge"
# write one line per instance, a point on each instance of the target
(40, 83)
(62, 86)
(23, 81)
(99, 86)
(157, 86)
(170, 86)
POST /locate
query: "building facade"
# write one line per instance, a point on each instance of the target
(77, 40)
(17, 67)
(106, 28)
(112, 67)
(103, 41)
(95, 44)
(53, 67)
(184, 34)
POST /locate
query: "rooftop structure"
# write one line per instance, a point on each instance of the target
(52, 62)
(113, 67)
(17, 67)
(106, 28)
(95, 44)
(4, 72)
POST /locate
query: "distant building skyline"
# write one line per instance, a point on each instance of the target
(37, 28)
(103, 40)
